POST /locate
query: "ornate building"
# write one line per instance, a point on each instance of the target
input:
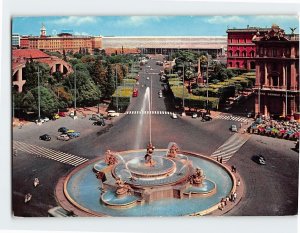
(240, 48)
(277, 72)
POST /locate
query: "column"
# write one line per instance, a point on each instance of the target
(283, 108)
(61, 68)
(257, 110)
(257, 71)
(283, 76)
(266, 74)
(293, 76)
(292, 105)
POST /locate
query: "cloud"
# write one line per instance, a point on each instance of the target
(75, 20)
(276, 17)
(136, 21)
(81, 33)
(225, 19)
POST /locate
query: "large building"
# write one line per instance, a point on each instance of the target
(168, 44)
(15, 41)
(277, 72)
(21, 56)
(241, 51)
(62, 42)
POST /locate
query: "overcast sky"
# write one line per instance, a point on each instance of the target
(148, 25)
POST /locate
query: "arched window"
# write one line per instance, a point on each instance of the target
(237, 65)
(230, 64)
(230, 53)
(244, 54)
(237, 53)
(252, 53)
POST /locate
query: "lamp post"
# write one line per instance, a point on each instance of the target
(58, 101)
(39, 95)
(183, 113)
(117, 89)
(207, 83)
(75, 92)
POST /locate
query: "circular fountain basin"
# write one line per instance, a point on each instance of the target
(81, 188)
(161, 168)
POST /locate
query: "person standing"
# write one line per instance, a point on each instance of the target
(221, 159)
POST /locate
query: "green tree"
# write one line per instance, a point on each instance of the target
(48, 101)
(30, 74)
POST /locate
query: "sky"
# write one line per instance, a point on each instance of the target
(148, 25)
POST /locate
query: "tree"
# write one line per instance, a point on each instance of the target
(30, 74)
(48, 101)
(64, 55)
(87, 92)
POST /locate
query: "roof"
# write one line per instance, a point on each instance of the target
(249, 29)
(29, 53)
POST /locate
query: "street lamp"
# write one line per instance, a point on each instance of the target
(207, 83)
(39, 94)
(117, 92)
(75, 92)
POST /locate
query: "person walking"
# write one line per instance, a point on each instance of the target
(221, 159)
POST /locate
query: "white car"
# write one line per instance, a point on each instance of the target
(147, 78)
(195, 115)
(63, 137)
(112, 113)
(40, 121)
(233, 128)
(46, 119)
(174, 116)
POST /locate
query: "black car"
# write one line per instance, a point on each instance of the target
(259, 159)
(100, 123)
(206, 117)
(62, 130)
(45, 137)
(95, 117)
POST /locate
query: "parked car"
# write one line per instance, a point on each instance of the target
(99, 122)
(194, 115)
(95, 117)
(147, 78)
(259, 159)
(40, 121)
(206, 117)
(62, 130)
(174, 116)
(233, 128)
(45, 137)
(62, 114)
(70, 131)
(63, 137)
(112, 113)
(160, 95)
(45, 119)
(73, 134)
(55, 116)
(72, 114)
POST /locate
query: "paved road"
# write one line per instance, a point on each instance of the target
(270, 190)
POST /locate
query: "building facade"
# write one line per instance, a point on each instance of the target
(241, 51)
(167, 44)
(62, 42)
(277, 72)
(15, 41)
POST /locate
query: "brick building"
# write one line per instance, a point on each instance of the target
(277, 72)
(61, 42)
(241, 50)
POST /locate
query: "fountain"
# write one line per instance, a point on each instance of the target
(149, 182)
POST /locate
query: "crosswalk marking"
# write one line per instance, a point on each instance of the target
(49, 153)
(230, 147)
(148, 113)
(229, 117)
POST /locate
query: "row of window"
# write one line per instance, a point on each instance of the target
(239, 40)
(243, 54)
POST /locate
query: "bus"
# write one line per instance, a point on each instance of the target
(135, 92)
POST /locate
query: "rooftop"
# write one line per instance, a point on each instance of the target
(29, 53)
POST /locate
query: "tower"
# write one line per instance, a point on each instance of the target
(43, 31)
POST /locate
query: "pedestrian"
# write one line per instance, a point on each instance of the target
(217, 158)
(221, 159)
(238, 182)
(241, 125)
(232, 168)
(234, 196)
